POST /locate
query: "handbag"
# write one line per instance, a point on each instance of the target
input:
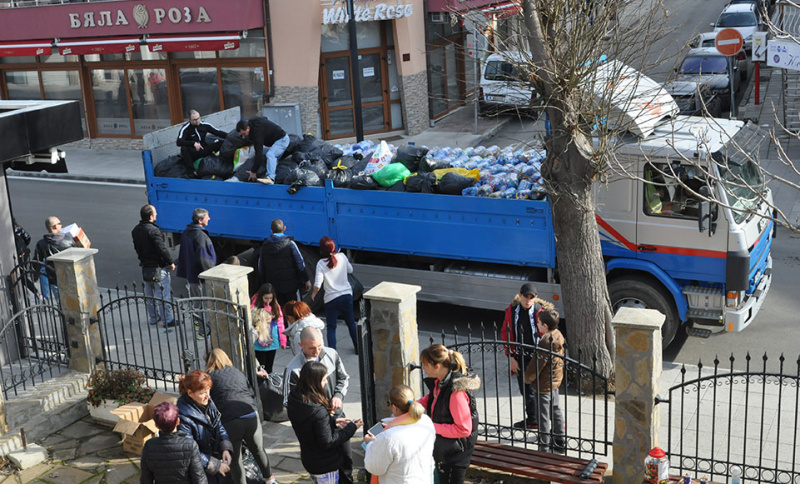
(356, 286)
(271, 392)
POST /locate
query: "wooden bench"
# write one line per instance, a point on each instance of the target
(534, 464)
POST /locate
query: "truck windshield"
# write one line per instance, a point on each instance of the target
(742, 178)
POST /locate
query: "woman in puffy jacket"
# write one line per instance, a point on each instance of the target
(403, 452)
(320, 434)
(200, 420)
(299, 316)
(269, 338)
(451, 406)
(170, 457)
(234, 400)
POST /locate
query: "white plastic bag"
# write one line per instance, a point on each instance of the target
(380, 158)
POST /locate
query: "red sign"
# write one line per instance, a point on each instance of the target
(111, 45)
(33, 47)
(190, 43)
(729, 42)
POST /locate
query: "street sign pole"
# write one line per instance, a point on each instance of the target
(729, 42)
(733, 93)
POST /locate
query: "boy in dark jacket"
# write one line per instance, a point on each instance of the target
(170, 457)
(545, 373)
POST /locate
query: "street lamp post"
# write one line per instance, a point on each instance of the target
(354, 75)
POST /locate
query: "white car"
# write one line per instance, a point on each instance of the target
(505, 85)
(744, 17)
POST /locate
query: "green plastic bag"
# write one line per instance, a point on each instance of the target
(391, 174)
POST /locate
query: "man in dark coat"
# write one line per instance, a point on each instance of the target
(196, 255)
(156, 263)
(262, 132)
(280, 264)
(51, 243)
(192, 139)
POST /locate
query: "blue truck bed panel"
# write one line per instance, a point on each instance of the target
(516, 232)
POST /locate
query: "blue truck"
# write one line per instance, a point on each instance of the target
(695, 261)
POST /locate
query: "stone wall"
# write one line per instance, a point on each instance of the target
(308, 98)
(414, 93)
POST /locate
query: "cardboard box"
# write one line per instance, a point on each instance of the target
(136, 422)
(80, 238)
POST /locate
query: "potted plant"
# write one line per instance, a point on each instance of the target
(111, 389)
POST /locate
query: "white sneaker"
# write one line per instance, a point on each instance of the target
(265, 181)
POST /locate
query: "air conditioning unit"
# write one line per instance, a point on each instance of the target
(439, 17)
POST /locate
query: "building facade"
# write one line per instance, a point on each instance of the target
(136, 67)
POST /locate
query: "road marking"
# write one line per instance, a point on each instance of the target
(84, 182)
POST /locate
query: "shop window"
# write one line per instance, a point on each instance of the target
(148, 88)
(389, 34)
(453, 93)
(243, 86)
(199, 90)
(252, 46)
(342, 123)
(438, 78)
(23, 85)
(199, 54)
(64, 85)
(51, 59)
(337, 37)
(22, 59)
(110, 94)
(664, 196)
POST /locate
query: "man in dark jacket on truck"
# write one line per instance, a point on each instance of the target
(262, 132)
(196, 255)
(192, 139)
(280, 264)
(156, 263)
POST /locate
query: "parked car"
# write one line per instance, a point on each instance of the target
(703, 78)
(706, 39)
(745, 18)
(506, 86)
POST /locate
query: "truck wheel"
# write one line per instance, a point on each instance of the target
(638, 292)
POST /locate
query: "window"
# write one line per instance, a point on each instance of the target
(665, 196)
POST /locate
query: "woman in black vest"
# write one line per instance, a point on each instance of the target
(451, 406)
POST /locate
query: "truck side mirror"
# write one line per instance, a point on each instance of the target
(704, 214)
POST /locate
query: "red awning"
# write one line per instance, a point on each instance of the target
(191, 42)
(31, 47)
(503, 10)
(100, 45)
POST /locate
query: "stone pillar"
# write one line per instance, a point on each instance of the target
(80, 300)
(638, 372)
(227, 282)
(393, 321)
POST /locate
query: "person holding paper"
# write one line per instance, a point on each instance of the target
(53, 242)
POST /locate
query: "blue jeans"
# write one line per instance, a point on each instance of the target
(276, 151)
(341, 305)
(159, 299)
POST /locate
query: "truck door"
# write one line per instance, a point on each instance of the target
(617, 205)
(667, 231)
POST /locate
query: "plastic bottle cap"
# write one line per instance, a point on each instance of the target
(657, 452)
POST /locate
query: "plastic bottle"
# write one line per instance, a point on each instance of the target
(736, 475)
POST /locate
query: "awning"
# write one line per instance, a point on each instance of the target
(503, 10)
(31, 47)
(187, 43)
(100, 45)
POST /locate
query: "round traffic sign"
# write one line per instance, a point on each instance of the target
(729, 42)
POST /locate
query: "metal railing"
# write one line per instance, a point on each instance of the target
(746, 418)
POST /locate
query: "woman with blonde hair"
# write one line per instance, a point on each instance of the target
(403, 452)
(235, 402)
(451, 406)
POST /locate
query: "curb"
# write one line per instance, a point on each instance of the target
(68, 176)
(483, 137)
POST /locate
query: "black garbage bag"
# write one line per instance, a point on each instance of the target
(271, 393)
(360, 166)
(347, 161)
(453, 183)
(397, 187)
(303, 177)
(243, 168)
(172, 167)
(364, 182)
(294, 143)
(328, 153)
(421, 183)
(427, 165)
(285, 166)
(410, 156)
(309, 143)
(301, 156)
(341, 176)
(212, 166)
(317, 166)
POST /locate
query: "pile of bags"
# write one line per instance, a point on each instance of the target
(308, 161)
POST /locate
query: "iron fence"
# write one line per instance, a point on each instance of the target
(745, 418)
(586, 398)
(31, 283)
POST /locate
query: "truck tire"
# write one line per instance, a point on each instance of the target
(639, 292)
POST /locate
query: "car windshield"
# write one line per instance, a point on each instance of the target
(501, 70)
(704, 65)
(737, 19)
(741, 176)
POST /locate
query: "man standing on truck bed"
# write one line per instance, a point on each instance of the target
(263, 132)
(280, 264)
(196, 255)
(192, 139)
